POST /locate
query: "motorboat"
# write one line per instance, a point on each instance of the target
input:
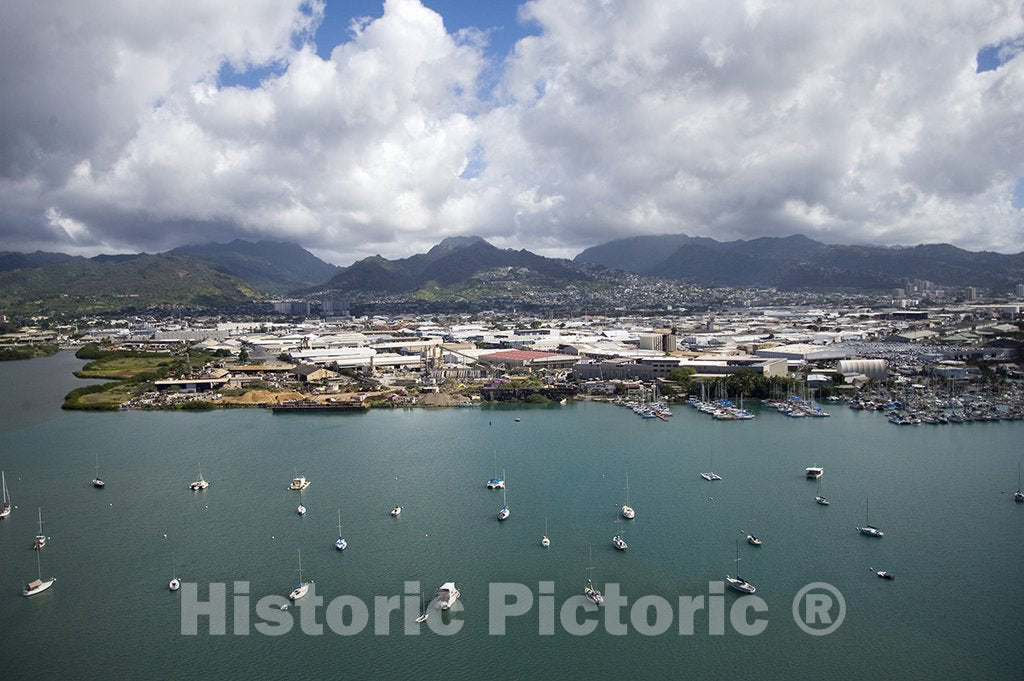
(447, 595)
(301, 510)
(814, 472)
(619, 543)
(753, 540)
(885, 575)
(298, 484)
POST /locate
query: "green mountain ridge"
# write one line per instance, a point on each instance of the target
(799, 262)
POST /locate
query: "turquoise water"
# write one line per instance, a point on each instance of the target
(953, 537)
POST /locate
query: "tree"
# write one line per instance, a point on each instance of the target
(683, 377)
(243, 355)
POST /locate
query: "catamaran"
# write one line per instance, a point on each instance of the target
(340, 544)
(711, 476)
(201, 483)
(397, 510)
(37, 585)
(40, 540)
(5, 509)
(814, 472)
(503, 512)
(544, 541)
(737, 582)
(627, 511)
(589, 590)
(301, 587)
(97, 481)
(869, 530)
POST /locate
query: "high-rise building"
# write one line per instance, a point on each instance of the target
(334, 307)
(972, 293)
(295, 308)
(1020, 290)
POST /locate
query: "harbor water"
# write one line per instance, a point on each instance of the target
(942, 495)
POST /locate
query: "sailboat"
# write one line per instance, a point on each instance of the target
(37, 585)
(504, 513)
(496, 482)
(301, 587)
(423, 611)
(301, 508)
(40, 540)
(590, 591)
(340, 544)
(175, 583)
(5, 510)
(627, 511)
(544, 541)
(737, 582)
(820, 499)
(201, 483)
(97, 481)
(711, 476)
(397, 510)
(869, 530)
(1018, 496)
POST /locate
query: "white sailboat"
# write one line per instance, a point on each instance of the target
(301, 508)
(340, 544)
(869, 530)
(423, 611)
(175, 583)
(820, 499)
(397, 510)
(37, 585)
(737, 582)
(301, 587)
(1018, 496)
(5, 509)
(201, 483)
(97, 481)
(496, 482)
(544, 541)
(503, 512)
(628, 512)
(589, 590)
(40, 540)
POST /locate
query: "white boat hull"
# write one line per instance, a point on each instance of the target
(32, 588)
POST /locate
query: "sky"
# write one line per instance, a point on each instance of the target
(359, 127)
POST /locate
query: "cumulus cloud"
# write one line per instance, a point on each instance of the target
(850, 123)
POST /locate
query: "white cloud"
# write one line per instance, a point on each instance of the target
(851, 123)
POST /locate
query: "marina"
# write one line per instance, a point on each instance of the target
(244, 528)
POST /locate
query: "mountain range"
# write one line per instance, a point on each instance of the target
(454, 262)
(798, 262)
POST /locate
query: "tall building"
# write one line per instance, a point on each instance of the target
(334, 308)
(295, 308)
(1020, 290)
(972, 293)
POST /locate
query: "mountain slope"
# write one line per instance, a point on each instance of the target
(453, 262)
(797, 262)
(110, 283)
(10, 260)
(269, 266)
